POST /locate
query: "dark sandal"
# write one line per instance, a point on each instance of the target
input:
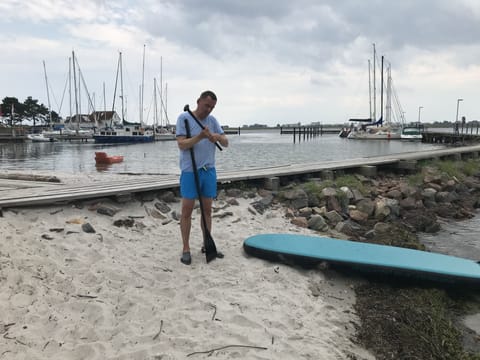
(186, 258)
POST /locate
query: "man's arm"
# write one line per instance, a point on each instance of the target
(185, 143)
(221, 138)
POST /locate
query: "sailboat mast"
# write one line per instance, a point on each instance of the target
(370, 91)
(143, 86)
(381, 92)
(388, 106)
(374, 86)
(155, 108)
(48, 93)
(166, 113)
(121, 86)
(70, 85)
(104, 105)
(75, 86)
(161, 91)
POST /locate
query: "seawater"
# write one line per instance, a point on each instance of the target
(251, 149)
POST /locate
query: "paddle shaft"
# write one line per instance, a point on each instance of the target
(187, 108)
(208, 242)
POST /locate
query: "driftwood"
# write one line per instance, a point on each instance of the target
(210, 352)
(30, 177)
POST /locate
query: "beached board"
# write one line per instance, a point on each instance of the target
(364, 256)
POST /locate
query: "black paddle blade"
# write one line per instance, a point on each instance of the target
(210, 248)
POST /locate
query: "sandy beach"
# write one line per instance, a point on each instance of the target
(122, 293)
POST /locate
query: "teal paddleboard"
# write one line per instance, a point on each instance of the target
(365, 256)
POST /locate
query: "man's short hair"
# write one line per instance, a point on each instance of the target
(208, 93)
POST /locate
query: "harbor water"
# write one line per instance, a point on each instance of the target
(251, 149)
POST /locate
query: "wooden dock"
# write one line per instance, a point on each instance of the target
(436, 137)
(18, 193)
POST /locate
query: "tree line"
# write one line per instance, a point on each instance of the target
(15, 112)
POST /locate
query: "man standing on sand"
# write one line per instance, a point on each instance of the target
(203, 143)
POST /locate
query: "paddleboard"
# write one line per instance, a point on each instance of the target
(364, 256)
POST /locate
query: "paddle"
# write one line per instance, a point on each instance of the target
(187, 108)
(208, 242)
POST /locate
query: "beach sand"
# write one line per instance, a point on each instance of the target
(122, 293)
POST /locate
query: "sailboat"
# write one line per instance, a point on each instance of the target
(378, 129)
(162, 130)
(125, 132)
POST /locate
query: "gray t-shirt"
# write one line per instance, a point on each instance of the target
(204, 150)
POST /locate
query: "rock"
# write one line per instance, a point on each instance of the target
(313, 199)
(162, 207)
(329, 192)
(233, 201)
(357, 195)
(317, 223)
(348, 193)
(305, 212)
(394, 194)
(124, 222)
(88, 228)
(333, 217)
(322, 210)
(107, 210)
(409, 191)
(421, 220)
(233, 192)
(348, 227)
(382, 210)
(443, 197)
(333, 204)
(300, 221)
(297, 198)
(432, 178)
(156, 214)
(289, 213)
(261, 205)
(358, 216)
(123, 198)
(408, 203)
(175, 215)
(429, 194)
(223, 214)
(366, 206)
(147, 196)
(167, 196)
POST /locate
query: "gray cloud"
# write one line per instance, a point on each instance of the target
(311, 33)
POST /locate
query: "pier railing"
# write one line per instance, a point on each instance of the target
(460, 133)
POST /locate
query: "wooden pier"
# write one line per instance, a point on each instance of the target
(437, 137)
(307, 132)
(18, 193)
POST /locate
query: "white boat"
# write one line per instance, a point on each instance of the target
(124, 134)
(162, 134)
(381, 129)
(411, 133)
(40, 138)
(375, 133)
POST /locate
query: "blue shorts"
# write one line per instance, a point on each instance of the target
(208, 183)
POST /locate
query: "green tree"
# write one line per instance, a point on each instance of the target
(32, 109)
(12, 109)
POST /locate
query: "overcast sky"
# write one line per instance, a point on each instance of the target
(269, 61)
